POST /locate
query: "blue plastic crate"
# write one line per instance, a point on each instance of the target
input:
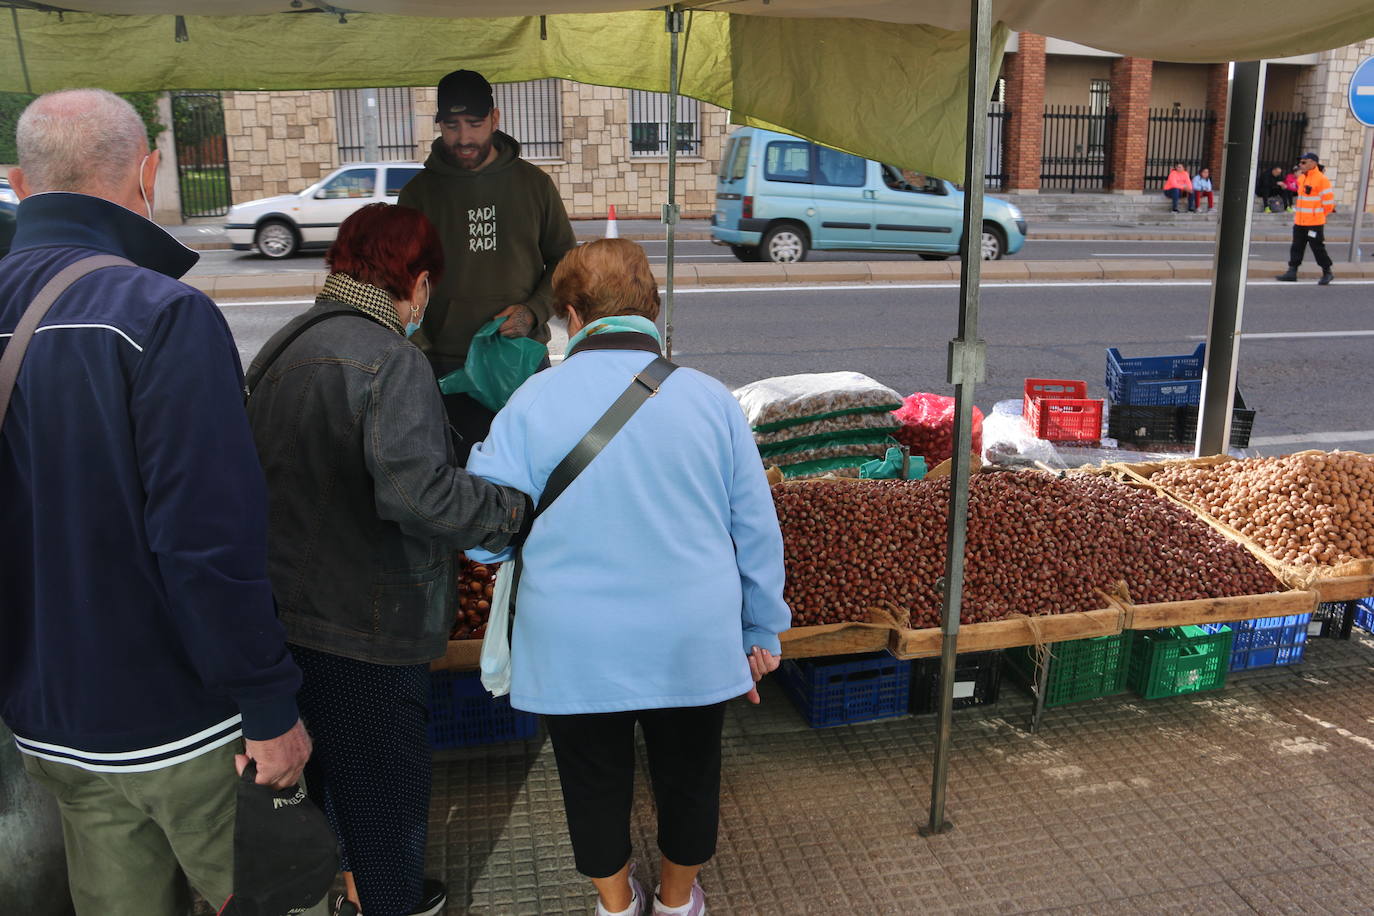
(1266, 641)
(1155, 380)
(853, 688)
(463, 714)
(1364, 614)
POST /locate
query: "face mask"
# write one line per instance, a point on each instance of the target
(142, 190)
(413, 326)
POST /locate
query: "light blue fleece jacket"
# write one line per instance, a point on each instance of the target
(660, 566)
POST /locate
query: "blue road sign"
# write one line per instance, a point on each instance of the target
(1362, 93)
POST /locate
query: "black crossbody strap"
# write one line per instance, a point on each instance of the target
(28, 322)
(259, 368)
(644, 386)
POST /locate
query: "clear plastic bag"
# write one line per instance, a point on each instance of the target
(789, 400)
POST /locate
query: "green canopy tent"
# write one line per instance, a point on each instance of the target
(904, 81)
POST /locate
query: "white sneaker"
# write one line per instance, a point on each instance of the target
(695, 905)
(636, 907)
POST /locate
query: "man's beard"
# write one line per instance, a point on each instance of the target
(464, 155)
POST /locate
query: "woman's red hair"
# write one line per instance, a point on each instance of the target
(388, 246)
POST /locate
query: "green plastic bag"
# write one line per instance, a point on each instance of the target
(890, 467)
(495, 366)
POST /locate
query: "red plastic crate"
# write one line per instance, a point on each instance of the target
(1060, 410)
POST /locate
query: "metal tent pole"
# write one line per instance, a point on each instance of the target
(1231, 263)
(967, 353)
(670, 210)
(1353, 255)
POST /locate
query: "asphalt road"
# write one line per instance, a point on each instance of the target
(1307, 369)
(703, 252)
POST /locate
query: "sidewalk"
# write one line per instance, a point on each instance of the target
(1252, 799)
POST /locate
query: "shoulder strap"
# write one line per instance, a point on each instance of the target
(259, 369)
(644, 386)
(28, 322)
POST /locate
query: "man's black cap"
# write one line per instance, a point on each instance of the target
(285, 855)
(464, 93)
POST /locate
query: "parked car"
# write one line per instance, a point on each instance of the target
(9, 209)
(778, 197)
(280, 226)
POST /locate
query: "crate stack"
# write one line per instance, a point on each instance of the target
(846, 690)
(1153, 400)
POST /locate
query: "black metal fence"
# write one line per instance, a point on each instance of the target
(1178, 135)
(532, 112)
(649, 120)
(1077, 151)
(395, 118)
(998, 116)
(202, 153)
(1280, 142)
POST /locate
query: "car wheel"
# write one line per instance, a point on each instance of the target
(994, 245)
(785, 243)
(746, 252)
(927, 256)
(276, 240)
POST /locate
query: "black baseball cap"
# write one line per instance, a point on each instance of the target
(285, 854)
(466, 93)
(1312, 156)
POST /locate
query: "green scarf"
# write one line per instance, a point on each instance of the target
(616, 323)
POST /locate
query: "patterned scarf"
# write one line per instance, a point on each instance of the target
(368, 299)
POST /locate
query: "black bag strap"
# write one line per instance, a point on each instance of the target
(259, 368)
(28, 322)
(644, 386)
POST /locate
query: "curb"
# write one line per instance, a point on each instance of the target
(306, 283)
(217, 245)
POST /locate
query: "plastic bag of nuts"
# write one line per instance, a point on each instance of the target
(476, 582)
(789, 400)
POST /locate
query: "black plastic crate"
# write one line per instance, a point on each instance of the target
(977, 681)
(1169, 425)
(1329, 620)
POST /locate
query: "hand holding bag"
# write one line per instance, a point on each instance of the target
(496, 645)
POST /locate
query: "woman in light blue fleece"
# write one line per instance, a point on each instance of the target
(652, 587)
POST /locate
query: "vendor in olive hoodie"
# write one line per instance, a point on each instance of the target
(502, 223)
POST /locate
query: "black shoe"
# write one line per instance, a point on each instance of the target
(342, 906)
(1327, 277)
(1290, 277)
(433, 898)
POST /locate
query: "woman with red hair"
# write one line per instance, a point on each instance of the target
(368, 504)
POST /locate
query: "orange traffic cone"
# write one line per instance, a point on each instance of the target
(612, 231)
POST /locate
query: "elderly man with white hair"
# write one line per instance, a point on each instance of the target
(140, 652)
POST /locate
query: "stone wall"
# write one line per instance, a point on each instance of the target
(279, 142)
(1332, 131)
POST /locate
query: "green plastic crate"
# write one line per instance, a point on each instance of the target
(1178, 660)
(1081, 669)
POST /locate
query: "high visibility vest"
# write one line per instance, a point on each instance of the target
(1315, 199)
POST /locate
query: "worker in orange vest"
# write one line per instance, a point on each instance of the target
(1315, 200)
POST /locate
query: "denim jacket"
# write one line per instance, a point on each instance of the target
(367, 503)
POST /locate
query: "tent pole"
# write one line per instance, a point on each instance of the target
(19, 44)
(1231, 263)
(967, 353)
(673, 24)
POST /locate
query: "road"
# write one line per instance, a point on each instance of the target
(703, 252)
(1305, 362)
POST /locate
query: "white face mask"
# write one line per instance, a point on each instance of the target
(147, 204)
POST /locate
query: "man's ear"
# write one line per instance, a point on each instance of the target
(19, 182)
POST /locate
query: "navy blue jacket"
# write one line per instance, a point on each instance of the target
(136, 617)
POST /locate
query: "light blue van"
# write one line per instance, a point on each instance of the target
(778, 197)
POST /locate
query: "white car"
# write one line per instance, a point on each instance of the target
(280, 226)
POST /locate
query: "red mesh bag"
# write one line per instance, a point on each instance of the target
(928, 426)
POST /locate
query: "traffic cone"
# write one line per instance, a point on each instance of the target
(612, 231)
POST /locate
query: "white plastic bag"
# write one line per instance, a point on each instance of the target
(496, 642)
(788, 400)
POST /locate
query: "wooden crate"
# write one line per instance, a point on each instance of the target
(1219, 610)
(1005, 634)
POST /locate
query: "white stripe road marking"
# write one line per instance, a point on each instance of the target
(872, 287)
(1355, 435)
(1290, 335)
(129, 755)
(1147, 254)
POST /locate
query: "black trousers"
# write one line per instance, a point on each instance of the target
(596, 765)
(1309, 235)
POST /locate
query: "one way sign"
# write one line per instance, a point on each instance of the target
(1362, 93)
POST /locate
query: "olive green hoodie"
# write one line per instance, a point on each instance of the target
(504, 230)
